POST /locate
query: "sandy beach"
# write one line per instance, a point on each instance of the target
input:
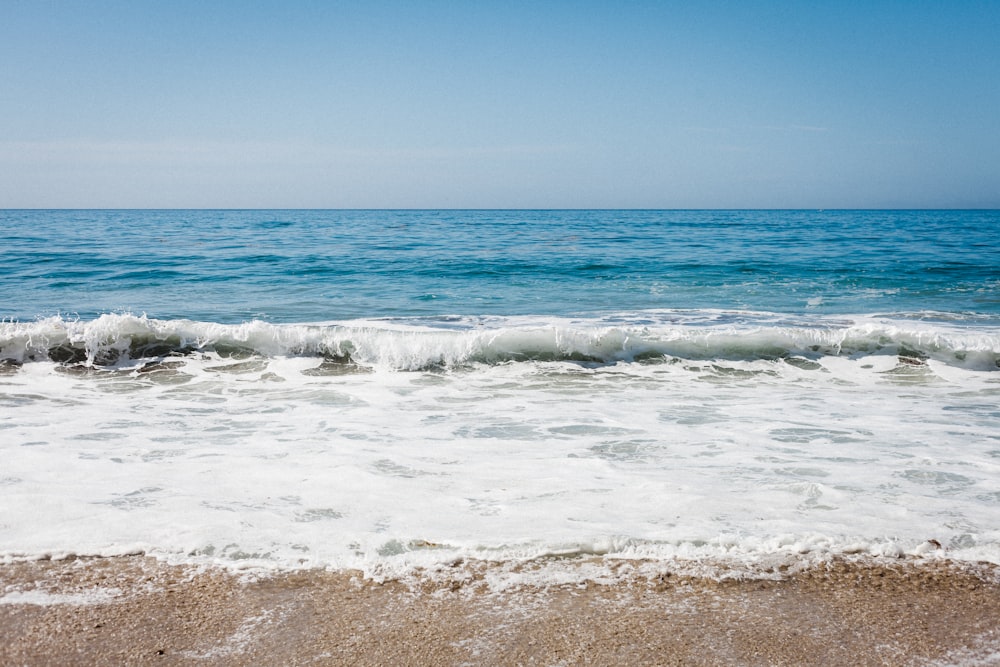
(135, 610)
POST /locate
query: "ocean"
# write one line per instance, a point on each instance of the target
(399, 391)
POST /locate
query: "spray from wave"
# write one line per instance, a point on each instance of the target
(408, 345)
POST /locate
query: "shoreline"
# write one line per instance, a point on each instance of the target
(136, 610)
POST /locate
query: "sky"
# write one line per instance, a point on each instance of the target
(511, 104)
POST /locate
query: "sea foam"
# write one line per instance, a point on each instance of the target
(397, 445)
(416, 344)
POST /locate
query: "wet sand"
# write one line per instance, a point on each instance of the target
(136, 611)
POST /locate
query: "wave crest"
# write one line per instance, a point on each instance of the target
(404, 345)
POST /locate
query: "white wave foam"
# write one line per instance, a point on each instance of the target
(401, 345)
(44, 598)
(287, 461)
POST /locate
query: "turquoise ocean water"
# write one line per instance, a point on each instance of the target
(306, 266)
(392, 390)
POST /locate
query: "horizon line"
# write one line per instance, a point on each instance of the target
(446, 208)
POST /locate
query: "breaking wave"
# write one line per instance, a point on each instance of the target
(416, 344)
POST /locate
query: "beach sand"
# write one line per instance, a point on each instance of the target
(137, 611)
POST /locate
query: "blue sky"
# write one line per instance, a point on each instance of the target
(499, 105)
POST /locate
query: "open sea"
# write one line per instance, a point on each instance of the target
(399, 391)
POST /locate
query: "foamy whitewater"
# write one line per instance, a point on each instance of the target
(398, 390)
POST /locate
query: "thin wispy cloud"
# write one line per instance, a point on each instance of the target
(208, 152)
(793, 128)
